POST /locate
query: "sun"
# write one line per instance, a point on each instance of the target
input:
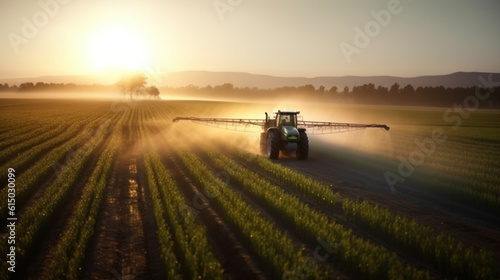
(118, 48)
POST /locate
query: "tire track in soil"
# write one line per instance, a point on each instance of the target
(124, 239)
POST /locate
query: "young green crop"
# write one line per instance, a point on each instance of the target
(304, 185)
(274, 248)
(23, 160)
(359, 256)
(34, 220)
(29, 178)
(188, 236)
(440, 250)
(170, 261)
(408, 234)
(70, 251)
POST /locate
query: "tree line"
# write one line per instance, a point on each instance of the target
(135, 86)
(437, 96)
(131, 85)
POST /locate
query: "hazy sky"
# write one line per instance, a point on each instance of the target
(283, 38)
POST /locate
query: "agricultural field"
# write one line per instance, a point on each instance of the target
(113, 189)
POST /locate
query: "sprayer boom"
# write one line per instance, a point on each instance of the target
(284, 132)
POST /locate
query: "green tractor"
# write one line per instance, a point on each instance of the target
(282, 134)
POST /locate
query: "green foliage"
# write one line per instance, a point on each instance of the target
(37, 216)
(274, 248)
(306, 186)
(183, 231)
(54, 151)
(439, 250)
(356, 255)
(71, 249)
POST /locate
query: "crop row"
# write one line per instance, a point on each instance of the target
(462, 167)
(20, 125)
(21, 131)
(442, 251)
(26, 141)
(188, 236)
(69, 253)
(354, 254)
(29, 156)
(31, 177)
(274, 248)
(31, 136)
(165, 239)
(185, 249)
(424, 243)
(306, 186)
(483, 200)
(37, 216)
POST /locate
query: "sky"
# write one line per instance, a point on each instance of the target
(289, 38)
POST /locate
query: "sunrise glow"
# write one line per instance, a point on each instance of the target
(118, 48)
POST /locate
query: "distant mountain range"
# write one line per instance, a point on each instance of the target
(239, 79)
(202, 78)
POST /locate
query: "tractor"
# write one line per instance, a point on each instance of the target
(284, 133)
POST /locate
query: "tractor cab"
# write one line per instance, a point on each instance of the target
(286, 118)
(286, 122)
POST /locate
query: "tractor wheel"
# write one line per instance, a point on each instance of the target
(303, 146)
(273, 144)
(263, 143)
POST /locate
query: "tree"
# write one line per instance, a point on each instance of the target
(132, 83)
(408, 90)
(394, 89)
(346, 90)
(26, 86)
(308, 87)
(153, 92)
(382, 90)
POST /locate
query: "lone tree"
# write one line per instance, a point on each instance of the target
(132, 84)
(135, 84)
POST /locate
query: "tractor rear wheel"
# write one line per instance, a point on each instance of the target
(273, 144)
(303, 146)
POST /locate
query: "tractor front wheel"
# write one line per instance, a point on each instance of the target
(273, 144)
